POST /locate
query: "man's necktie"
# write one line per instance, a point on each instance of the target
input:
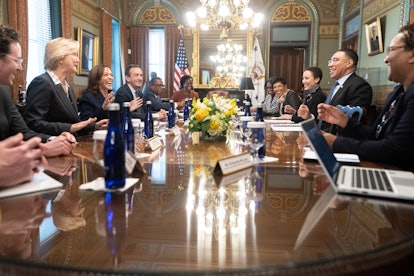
(331, 93)
(137, 93)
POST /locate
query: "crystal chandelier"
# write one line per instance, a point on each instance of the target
(230, 64)
(224, 15)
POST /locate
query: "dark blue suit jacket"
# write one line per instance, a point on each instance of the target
(395, 144)
(156, 101)
(49, 110)
(354, 92)
(124, 94)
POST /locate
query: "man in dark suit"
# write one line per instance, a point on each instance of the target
(390, 139)
(349, 89)
(152, 93)
(21, 149)
(131, 92)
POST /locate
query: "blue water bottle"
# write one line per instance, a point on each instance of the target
(186, 110)
(149, 123)
(114, 151)
(128, 129)
(171, 115)
(259, 113)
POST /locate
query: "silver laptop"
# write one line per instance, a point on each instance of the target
(355, 180)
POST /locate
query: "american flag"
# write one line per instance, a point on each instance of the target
(181, 65)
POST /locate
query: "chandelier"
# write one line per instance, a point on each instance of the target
(230, 64)
(224, 15)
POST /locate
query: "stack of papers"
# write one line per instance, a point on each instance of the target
(348, 158)
(286, 126)
(40, 182)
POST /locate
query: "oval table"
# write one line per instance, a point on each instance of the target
(181, 218)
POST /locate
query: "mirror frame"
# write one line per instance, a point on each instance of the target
(195, 71)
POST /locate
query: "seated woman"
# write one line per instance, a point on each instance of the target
(288, 100)
(98, 95)
(186, 91)
(312, 94)
(270, 104)
(51, 106)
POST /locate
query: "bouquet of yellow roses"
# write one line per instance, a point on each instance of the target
(212, 116)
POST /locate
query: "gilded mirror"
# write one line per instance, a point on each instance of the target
(205, 45)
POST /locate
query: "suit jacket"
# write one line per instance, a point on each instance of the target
(124, 94)
(11, 122)
(49, 110)
(354, 92)
(90, 105)
(312, 100)
(156, 101)
(395, 143)
(292, 99)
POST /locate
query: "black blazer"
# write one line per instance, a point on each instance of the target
(395, 143)
(124, 94)
(11, 122)
(90, 105)
(354, 92)
(49, 110)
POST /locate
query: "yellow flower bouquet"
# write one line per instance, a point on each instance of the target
(212, 117)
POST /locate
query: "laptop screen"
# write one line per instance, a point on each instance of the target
(321, 147)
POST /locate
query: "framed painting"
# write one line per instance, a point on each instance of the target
(374, 37)
(88, 51)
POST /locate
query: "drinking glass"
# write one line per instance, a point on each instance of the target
(256, 131)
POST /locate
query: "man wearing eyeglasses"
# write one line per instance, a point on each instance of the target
(152, 93)
(21, 149)
(349, 88)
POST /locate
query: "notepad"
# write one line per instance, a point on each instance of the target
(40, 182)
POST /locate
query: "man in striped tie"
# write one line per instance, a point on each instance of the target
(349, 88)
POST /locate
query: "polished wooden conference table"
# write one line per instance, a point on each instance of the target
(180, 218)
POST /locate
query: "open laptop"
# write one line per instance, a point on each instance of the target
(377, 182)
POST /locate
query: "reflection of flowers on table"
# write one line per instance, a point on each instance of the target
(212, 116)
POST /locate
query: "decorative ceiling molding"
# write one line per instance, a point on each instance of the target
(290, 12)
(157, 15)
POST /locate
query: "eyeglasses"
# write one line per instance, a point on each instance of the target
(19, 61)
(333, 60)
(160, 85)
(393, 48)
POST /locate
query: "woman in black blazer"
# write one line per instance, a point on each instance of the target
(98, 95)
(51, 105)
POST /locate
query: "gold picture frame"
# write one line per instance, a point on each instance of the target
(373, 33)
(88, 51)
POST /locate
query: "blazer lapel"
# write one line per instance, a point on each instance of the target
(69, 103)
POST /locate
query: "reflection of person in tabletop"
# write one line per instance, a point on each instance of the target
(67, 207)
(18, 217)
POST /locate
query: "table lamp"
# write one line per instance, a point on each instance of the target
(246, 83)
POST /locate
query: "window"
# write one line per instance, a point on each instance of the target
(157, 52)
(40, 33)
(116, 56)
